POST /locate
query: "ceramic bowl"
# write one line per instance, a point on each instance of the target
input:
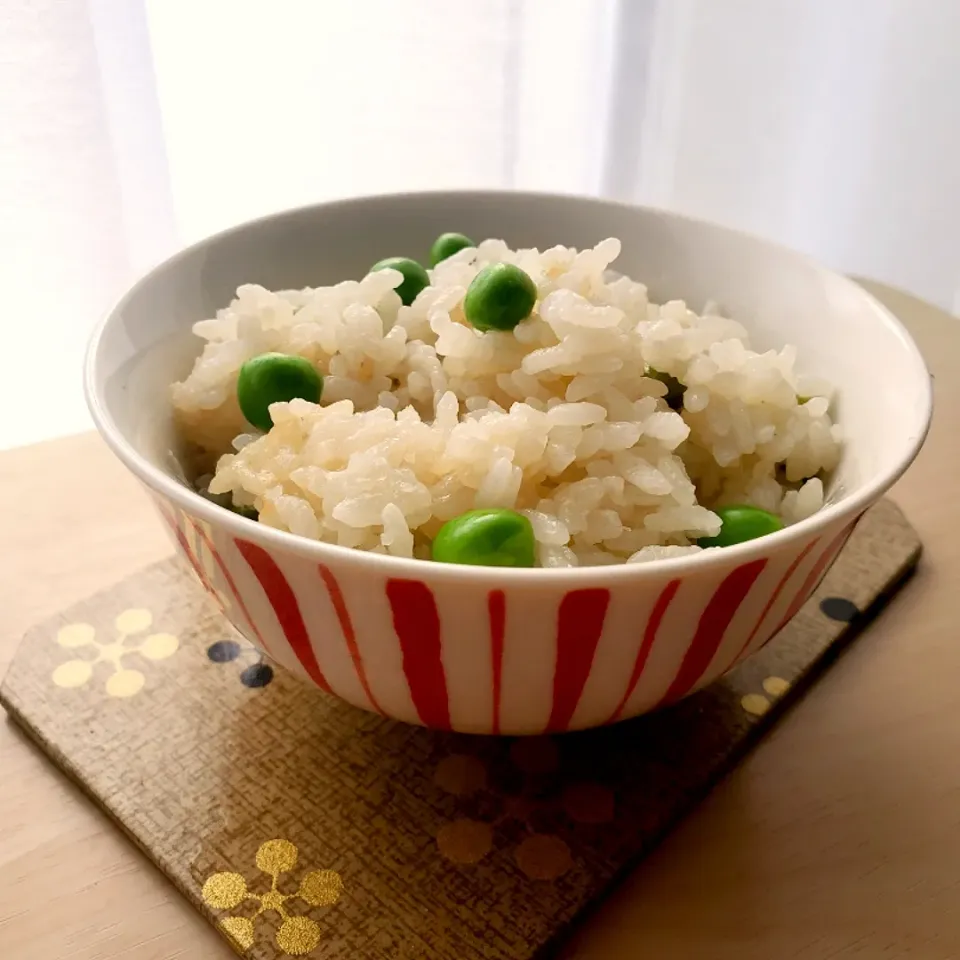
(488, 650)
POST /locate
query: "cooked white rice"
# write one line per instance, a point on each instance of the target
(423, 418)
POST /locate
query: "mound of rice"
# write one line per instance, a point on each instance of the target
(423, 418)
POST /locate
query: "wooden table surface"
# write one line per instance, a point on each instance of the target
(839, 837)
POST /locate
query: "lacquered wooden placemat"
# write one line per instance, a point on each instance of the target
(303, 827)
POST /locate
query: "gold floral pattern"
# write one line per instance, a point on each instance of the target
(540, 856)
(123, 681)
(297, 935)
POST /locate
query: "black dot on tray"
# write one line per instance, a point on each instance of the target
(223, 651)
(258, 675)
(839, 608)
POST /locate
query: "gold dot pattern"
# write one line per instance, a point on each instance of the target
(76, 635)
(543, 857)
(757, 703)
(159, 646)
(461, 775)
(776, 686)
(297, 935)
(240, 930)
(133, 621)
(321, 888)
(540, 856)
(277, 856)
(224, 891)
(465, 841)
(73, 673)
(123, 682)
(272, 900)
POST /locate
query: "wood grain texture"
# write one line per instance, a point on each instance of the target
(836, 839)
(447, 846)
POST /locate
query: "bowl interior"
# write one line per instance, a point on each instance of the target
(842, 334)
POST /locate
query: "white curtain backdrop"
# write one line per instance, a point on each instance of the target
(130, 127)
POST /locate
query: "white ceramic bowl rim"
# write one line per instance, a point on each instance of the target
(239, 527)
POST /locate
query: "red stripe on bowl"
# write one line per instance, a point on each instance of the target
(816, 574)
(417, 625)
(784, 580)
(285, 606)
(231, 585)
(171, 521)
(649, 635)
(579, 625)
(711, 627)
(346, 626)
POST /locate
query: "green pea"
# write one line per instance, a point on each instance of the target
(414, 276)
(499, 297)
(741, 523)
(446, 245)
(486, 538)
(675, 389)
(273, 378)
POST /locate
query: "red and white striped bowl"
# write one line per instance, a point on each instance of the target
(482, 654)
(489, 650)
